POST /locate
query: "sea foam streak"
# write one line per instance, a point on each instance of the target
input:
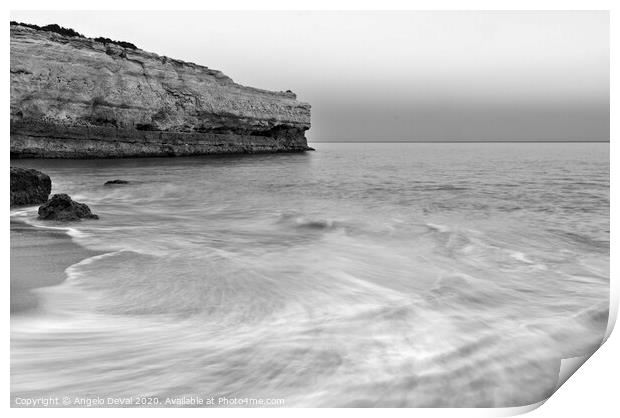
(424, 277)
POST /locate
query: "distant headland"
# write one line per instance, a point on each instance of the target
(77, 97)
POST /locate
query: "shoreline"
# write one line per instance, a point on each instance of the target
(39, 258)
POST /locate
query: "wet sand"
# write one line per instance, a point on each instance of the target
(39, 258)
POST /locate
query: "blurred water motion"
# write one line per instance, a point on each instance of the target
(358, 275)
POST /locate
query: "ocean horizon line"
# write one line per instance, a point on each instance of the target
(455, 142)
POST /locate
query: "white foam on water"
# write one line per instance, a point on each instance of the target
(280, 277)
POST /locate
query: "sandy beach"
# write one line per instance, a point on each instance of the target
(39, 258)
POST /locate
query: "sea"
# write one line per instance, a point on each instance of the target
(360, 274)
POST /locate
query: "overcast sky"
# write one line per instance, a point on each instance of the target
(390, 76)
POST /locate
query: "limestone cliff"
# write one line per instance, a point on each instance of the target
(74, 97)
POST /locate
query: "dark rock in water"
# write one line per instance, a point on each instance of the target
(110, 182)
(29, 187)
(62, 208)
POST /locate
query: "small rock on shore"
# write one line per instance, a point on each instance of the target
(62, 208)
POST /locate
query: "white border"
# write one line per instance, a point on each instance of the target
(591, 391)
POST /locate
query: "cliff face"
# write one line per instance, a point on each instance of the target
(77, 98)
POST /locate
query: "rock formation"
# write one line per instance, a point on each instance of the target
(76, 97)
(62, 208)
(29, 187)
(113, 182)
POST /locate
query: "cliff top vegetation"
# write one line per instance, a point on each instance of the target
(71, 33)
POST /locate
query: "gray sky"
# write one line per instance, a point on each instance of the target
(390, 76)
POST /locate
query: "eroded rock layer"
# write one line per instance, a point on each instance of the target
(77, 98)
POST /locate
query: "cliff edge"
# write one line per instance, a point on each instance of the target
(76, 97)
